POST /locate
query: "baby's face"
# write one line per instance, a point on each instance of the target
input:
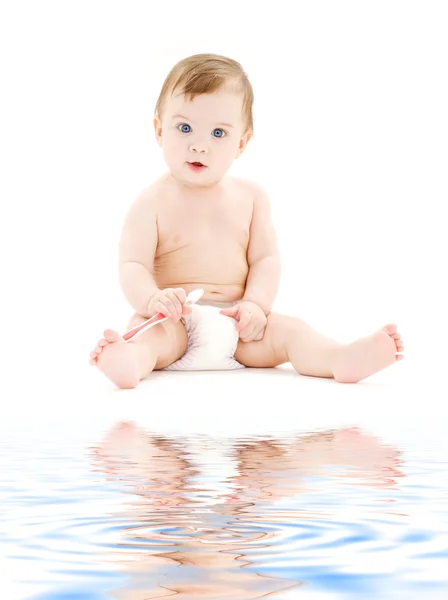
(208, 129)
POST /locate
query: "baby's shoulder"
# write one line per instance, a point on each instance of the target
(249, 188)
(151, 196)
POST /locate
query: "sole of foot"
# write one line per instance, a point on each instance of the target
(117, 359)
(368, 355)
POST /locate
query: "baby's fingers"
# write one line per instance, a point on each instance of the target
(180, 295)
(166, 308)
(244, 321)
(259, 336)
(186, 309)
(248, 334)
(176, 305)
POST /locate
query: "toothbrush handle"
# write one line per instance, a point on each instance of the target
(158, 318)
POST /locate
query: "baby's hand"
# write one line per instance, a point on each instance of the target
(251, 320)
(169, 302)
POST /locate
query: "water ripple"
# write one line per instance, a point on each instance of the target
(138, 515)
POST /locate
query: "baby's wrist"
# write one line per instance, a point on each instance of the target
(256, 304)
(151, 299)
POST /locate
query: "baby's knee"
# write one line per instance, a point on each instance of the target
(135, 320)
(173, 342)
(279, 329)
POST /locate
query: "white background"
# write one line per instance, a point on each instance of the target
(351, 132)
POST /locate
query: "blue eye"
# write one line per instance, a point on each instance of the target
(182, 125)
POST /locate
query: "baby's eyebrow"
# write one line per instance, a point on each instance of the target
(187, 119)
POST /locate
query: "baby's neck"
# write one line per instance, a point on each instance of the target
(208, 192)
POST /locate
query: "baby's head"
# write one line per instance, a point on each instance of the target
(204, 114)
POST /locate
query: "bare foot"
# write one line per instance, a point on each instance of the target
(368, 355)
(116, 359)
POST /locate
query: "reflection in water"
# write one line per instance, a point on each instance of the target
(211, 518)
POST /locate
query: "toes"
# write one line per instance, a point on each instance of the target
(111, 336)
(399, 357)
(391, 329)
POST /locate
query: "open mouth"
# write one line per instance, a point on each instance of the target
(196, 166)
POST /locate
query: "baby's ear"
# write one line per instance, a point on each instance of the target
(158, 129)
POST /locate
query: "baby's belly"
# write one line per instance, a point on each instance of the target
(222, 280)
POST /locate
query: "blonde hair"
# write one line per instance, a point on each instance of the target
(206, 74)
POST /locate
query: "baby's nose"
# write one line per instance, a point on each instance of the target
(199, 147)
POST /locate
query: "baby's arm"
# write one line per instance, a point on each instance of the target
(263, 255)
(138, 244)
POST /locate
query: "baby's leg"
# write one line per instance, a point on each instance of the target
(126, 363)
(289, 339)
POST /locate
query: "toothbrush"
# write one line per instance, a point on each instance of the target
(192, 298)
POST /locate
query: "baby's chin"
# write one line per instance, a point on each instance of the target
(195, 181)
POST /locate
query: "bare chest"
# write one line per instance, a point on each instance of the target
(204, 242)
(200, 229)
(199, 232)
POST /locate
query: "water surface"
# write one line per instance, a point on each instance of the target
(131, 513)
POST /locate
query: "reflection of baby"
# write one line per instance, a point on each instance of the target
(180, 527)
(162, 472)
(271, 470)
(262, 469)
(177, 529)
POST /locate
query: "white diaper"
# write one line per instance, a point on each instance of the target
(212, 340)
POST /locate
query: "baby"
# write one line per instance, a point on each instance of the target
(197, 227)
